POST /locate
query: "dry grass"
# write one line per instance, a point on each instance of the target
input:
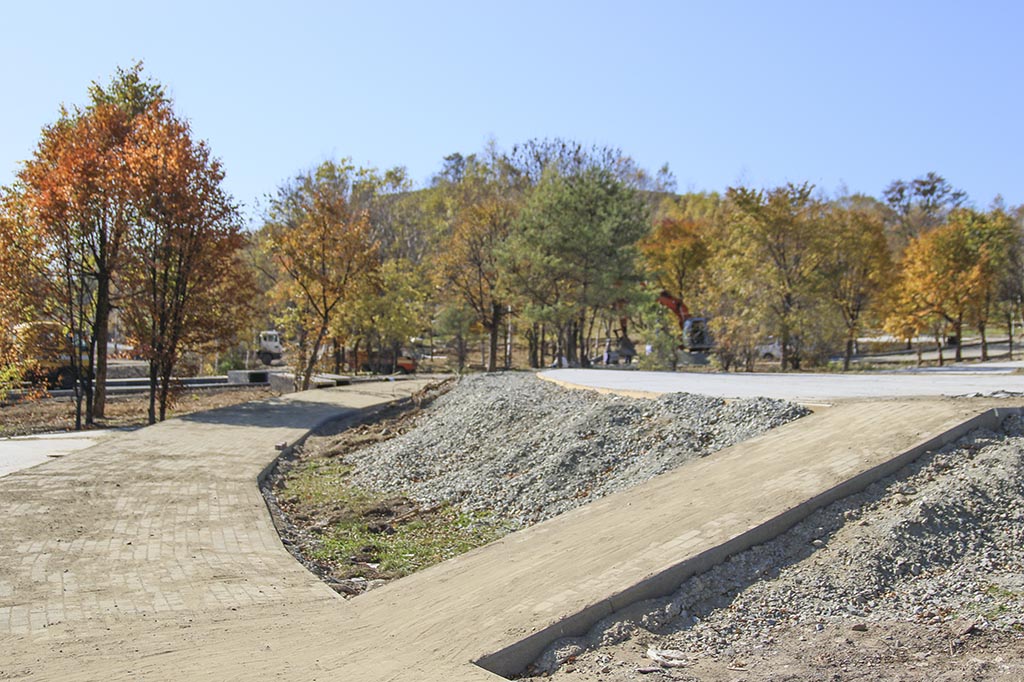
(44, 415)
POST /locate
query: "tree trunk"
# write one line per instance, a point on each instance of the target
(494, 328)
(784, 348)
(984, 341)
(570, 343)
(958, 328)
(508, 337)
(1009, 328)
(307, 373)
(848, 354)
(87, 381)
(152, 391)
(584, 346)
(533, 345)
(460, 351)
(101, 334)
(354, 365)
(543, 345)
(79, 372)
(165, 390)
(938, 344)
(591, 344)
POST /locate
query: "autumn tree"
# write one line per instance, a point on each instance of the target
(530, 160)
(182, 274)
(678, 247)
(321, 248)
(77, 191)
(1010, 286)
(857, 266)
(22, 284)
(385, 309)
(768, 268)
(994, 244)
(400, 221)
(942, 279)
(481, 207)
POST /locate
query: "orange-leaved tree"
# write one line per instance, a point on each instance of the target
(677, 249)
(22, 285)
(942, 279)
(481, 208)
(183, 273)
(994, 240)
(77, 193)
(75, 190)
(321, 248)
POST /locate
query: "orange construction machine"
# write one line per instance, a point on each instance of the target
(696, 337)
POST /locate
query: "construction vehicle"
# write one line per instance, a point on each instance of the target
(696, 336)
(385, 362)
(270, 347)
(46, 348)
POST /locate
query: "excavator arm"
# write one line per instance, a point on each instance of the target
(676, 305)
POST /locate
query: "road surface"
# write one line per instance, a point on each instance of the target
(23, 452)
(957, 380)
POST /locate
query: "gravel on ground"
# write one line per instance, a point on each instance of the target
(527, 450)
(920, 577)
(496, 453)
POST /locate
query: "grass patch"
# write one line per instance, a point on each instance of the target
(357, 538)
(358, 548)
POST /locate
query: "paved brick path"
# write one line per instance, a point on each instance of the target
(153, 556)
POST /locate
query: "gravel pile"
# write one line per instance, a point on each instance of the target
(529, 450)
(937, 547)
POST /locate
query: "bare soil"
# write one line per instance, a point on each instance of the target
(46, 415)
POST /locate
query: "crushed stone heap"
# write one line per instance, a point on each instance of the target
(527, 449)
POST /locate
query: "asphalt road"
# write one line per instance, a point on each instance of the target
(957, 380)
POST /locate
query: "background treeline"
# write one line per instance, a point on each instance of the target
(522, 256)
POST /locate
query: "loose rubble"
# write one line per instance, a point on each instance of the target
(919, 577)
(527, 450)
(494, 454)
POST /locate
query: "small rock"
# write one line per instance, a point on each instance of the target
(668, 658)
(860, 627)
(962, 628)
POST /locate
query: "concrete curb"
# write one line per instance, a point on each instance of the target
(513, 660)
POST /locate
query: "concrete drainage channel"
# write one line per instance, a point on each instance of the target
(512, 661)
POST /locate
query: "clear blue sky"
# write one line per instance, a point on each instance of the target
(851, 94)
